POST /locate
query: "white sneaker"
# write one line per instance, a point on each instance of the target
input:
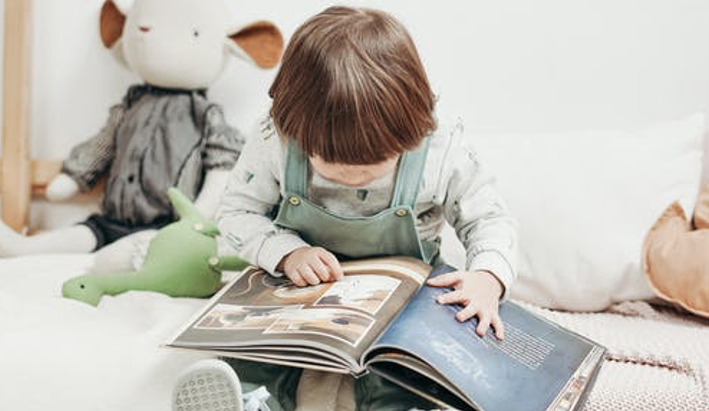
(208, 385)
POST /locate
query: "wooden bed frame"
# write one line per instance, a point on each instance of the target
(20, 175)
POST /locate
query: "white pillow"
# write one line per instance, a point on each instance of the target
(585, 201)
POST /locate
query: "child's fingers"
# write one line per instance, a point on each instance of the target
(499, 326)
(466, 313)
(297, 279)
(451, 297)
(321, 270)
(445, 280)
(332, 263)
(308, 275)
(484, 323)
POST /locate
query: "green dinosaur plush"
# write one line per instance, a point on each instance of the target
(181, 261)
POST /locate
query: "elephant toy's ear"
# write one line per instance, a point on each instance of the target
(260, 43)
(111, 23)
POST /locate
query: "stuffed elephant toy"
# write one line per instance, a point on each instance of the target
(164, 133)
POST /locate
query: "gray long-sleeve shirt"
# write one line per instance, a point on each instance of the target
(155, 139)
(455, 188)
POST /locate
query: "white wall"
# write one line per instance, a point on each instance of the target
(502, 65)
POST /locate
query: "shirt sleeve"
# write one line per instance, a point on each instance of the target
(223, 142)
(90, 160)
(251, 198)
(480, 218)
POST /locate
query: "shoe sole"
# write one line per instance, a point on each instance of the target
(209, 385)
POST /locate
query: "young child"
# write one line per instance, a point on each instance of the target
(352, 163)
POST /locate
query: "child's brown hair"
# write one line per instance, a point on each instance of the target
(352, 88)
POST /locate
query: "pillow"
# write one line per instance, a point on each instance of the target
(585, 201)
(676, 258)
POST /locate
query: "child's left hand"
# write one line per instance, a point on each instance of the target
(479, 293)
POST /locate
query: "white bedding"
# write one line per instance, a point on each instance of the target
(58, 354)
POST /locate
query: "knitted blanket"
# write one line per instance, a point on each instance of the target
(658, 360)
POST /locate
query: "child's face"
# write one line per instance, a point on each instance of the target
(353, 176)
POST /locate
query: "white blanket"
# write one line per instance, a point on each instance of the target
(59, 354)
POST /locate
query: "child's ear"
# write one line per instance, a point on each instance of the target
(111, 23)
(260, 42)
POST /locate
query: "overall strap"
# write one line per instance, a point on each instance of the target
(409, 174)
(296, 173)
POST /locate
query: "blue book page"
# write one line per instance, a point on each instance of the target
(525, 371)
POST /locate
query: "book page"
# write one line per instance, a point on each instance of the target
(342, 317)
(536, 360)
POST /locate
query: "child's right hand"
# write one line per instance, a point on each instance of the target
(311, 266)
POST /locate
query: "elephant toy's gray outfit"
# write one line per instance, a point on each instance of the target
(155, 139)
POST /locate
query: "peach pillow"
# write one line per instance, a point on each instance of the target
(676, 257)
(701, 211)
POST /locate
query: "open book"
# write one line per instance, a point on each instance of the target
(381, 318)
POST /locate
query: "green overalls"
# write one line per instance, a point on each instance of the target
(390, 232)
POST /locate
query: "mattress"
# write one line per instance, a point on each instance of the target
(58, 354)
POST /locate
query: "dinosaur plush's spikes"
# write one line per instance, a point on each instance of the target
(191, 214)
(183, 206)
